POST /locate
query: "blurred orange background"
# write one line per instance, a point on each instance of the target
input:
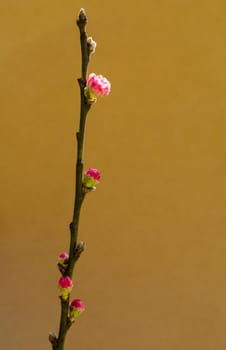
(154, 273)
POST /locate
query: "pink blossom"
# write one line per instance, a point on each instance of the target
(99, 85)
(77, 304)
(93, 173)
(91, 179)
(76, 308)
(62, 262)
(65, 282)
(63, 256)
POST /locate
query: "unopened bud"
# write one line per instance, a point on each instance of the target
(62, 262)
(63, 258)
(91, 45)
(82, 15)
(91, 179)
(53, 339)
(82, 19)
(65, 286)
(80, 247)
(76, 308)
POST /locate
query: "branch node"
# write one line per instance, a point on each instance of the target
(80, 247)
(72, 227)
(53, 339)
(82, 18)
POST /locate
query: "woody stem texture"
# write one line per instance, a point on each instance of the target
(90, 88)
(74, 252)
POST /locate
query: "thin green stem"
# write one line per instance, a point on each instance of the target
(79, 193)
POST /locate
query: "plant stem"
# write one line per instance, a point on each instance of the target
(63, 324)
(79, 193)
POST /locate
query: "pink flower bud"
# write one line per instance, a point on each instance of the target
(91, 178)
(93, 173)
(77, 304)
(76, 308)
(65, 286)
(65, 282)
(62, 262)
(97, 85)
(62, 257)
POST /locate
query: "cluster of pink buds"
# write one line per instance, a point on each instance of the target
(65, 285)
(97, 85)
(91, 179)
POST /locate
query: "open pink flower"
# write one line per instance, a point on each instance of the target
(76, 308)
(91, 178)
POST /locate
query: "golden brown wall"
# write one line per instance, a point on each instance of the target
(154, 273)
